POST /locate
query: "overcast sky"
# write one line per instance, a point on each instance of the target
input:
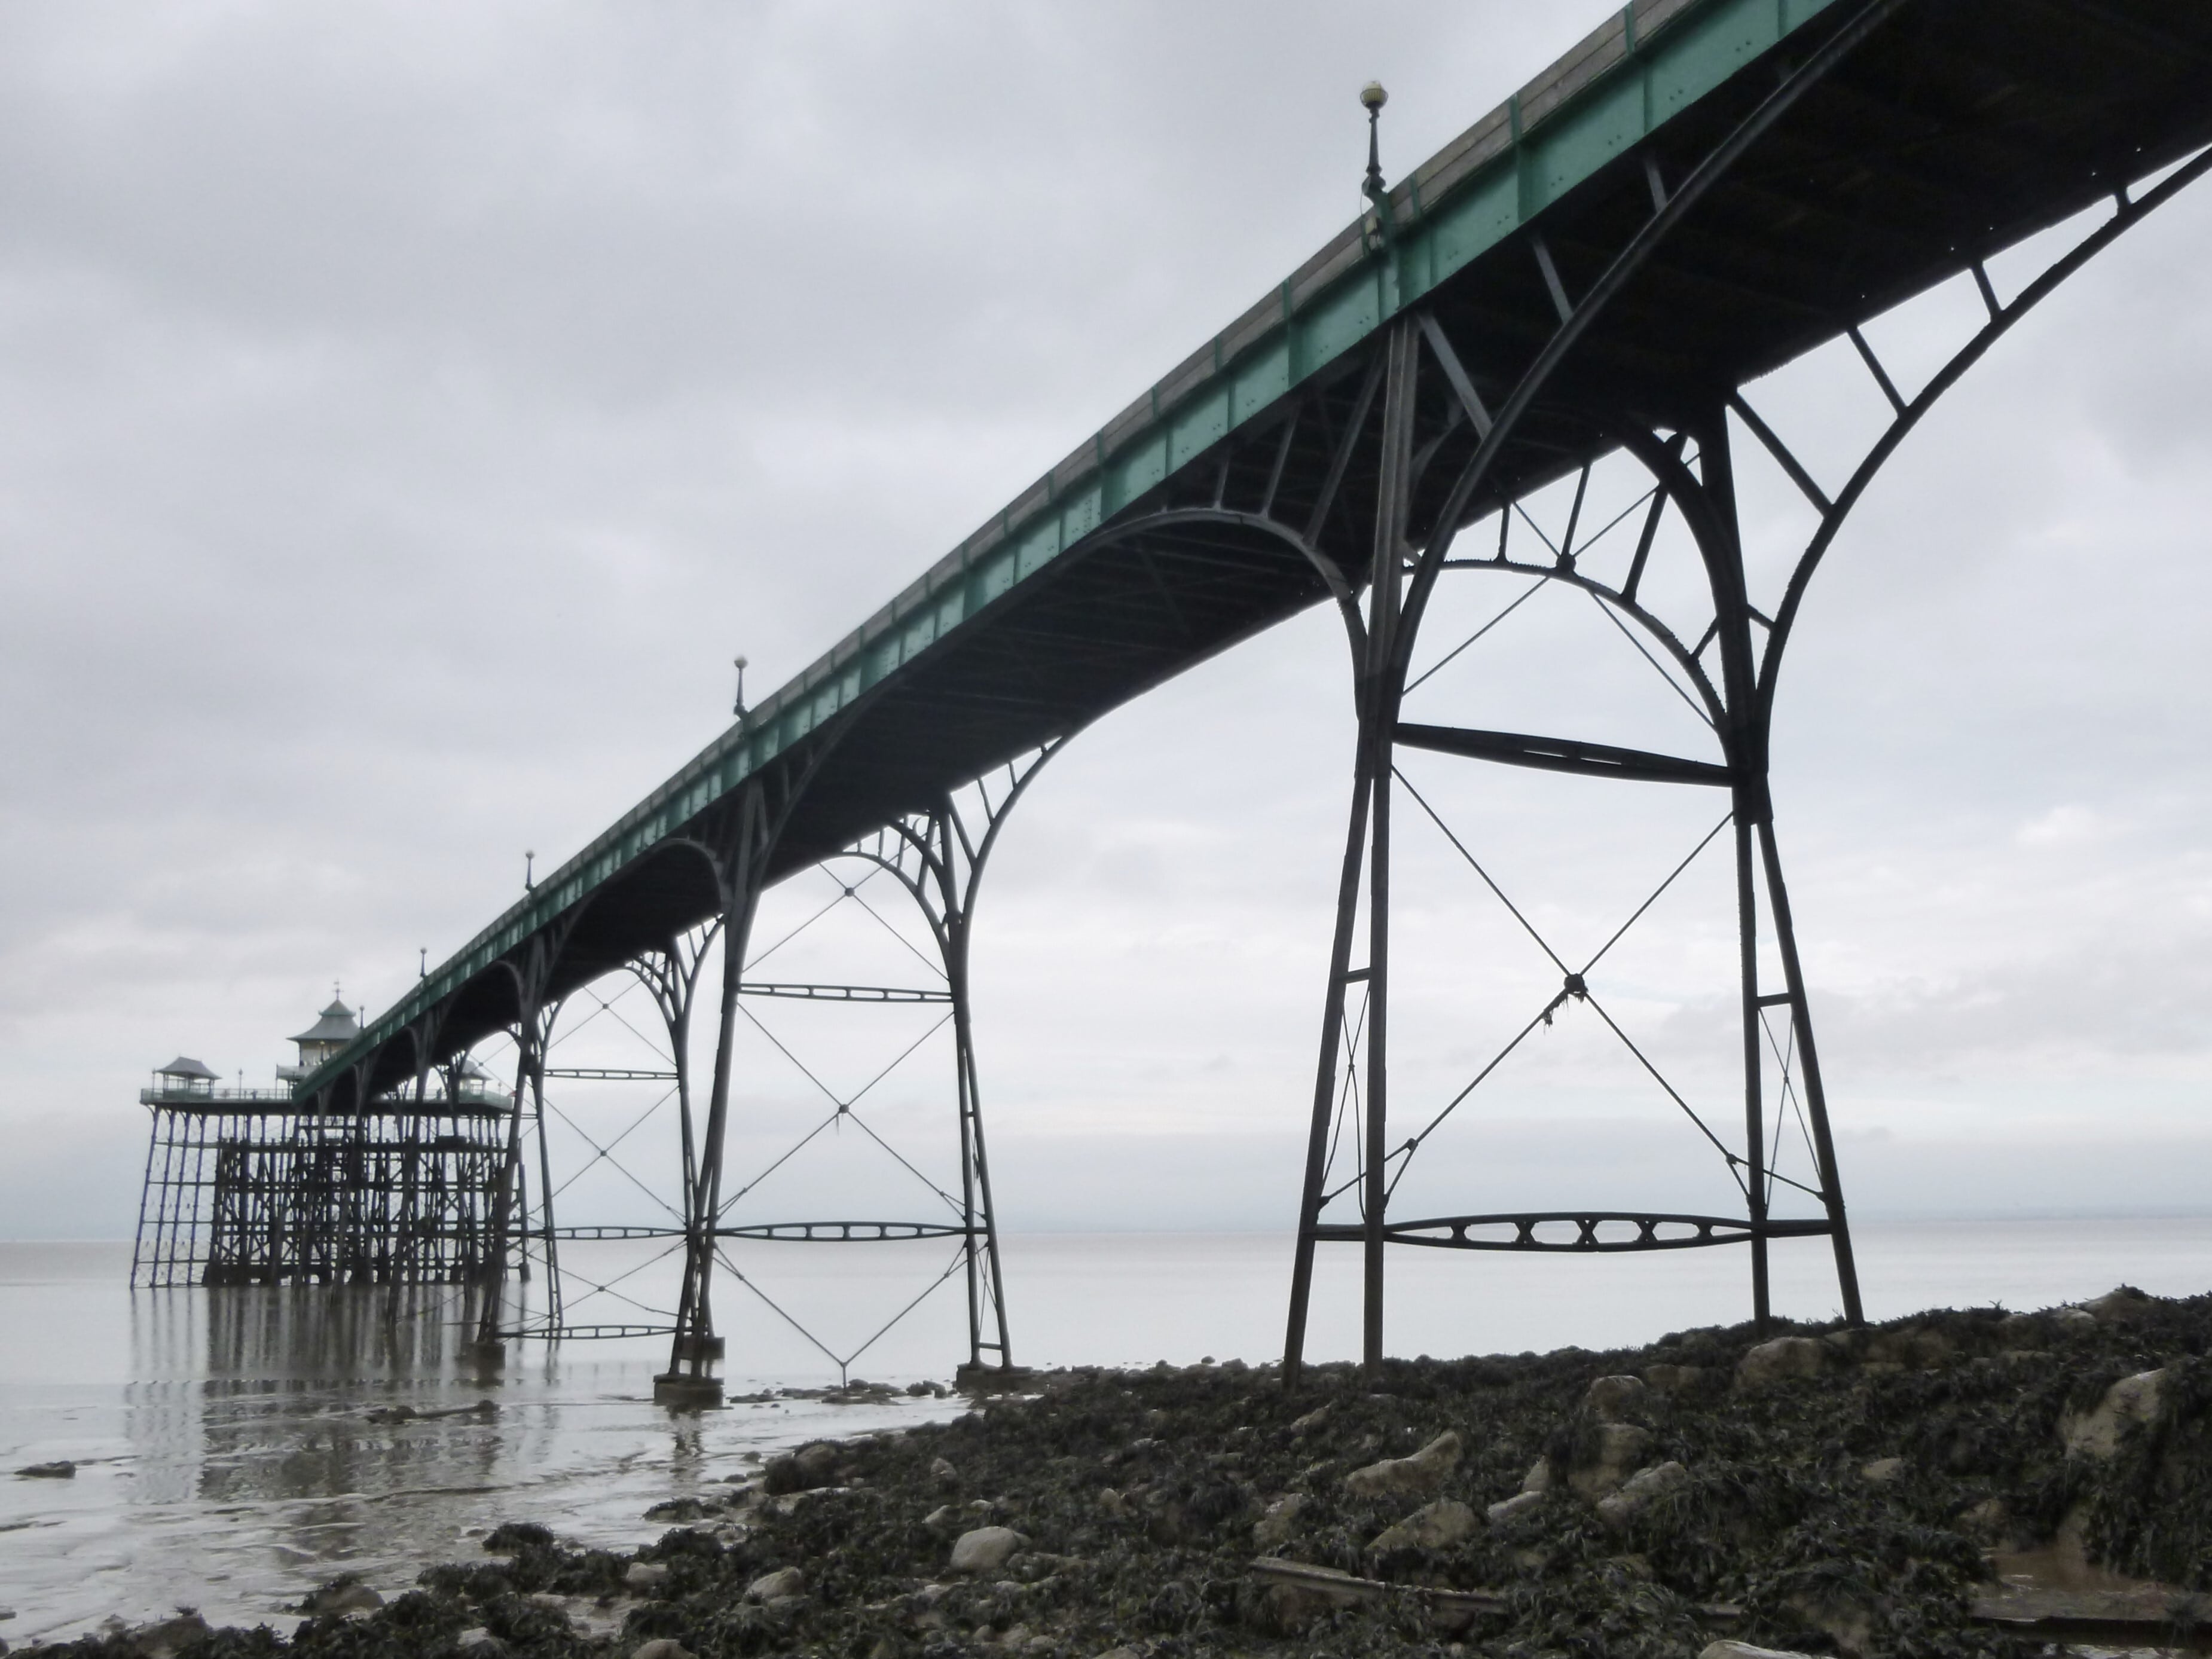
(406, 412)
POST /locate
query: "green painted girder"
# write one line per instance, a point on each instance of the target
(1648, 65)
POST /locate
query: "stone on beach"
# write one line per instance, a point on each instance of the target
(776, 1586)
(1608, 1454)
(646, 1575)
(1642, 1490)
(1883, 1470)
(1416, 1476)
(1744, 1650)
(1784, 1359)
(345, 1597)
(1615, 1398)
(1273, 1528)
(1513, 1507)
(986, 1549)
(2096, 1433)
(1431, 1527)
(661, 1647)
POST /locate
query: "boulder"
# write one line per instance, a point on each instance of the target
(1642, 1490)
(646, 1575)
(2132, 1400)
(1883, 1470)
(1607, 1455)
(479, 1642)
(1431, 1527)
(661, 1647)
(1616, 1399)
(1417, 1476)
(1744, 1650)
(1539, 1478)
(986, 1549)
(1273, 1529)
(1514, 1508)
(944, 1517)
(1783, 1360)
(775, 1586)
(942, 1472)
(1673, 1379)
(2074, 1320)
(61, 1469)
(1312, 1420)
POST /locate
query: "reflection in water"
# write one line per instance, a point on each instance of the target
(254, 1441)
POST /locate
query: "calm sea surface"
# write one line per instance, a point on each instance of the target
(235, 1448)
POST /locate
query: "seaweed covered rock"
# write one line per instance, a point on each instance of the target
(1786, 1359)
(1408, 1477)
(1431, 1527)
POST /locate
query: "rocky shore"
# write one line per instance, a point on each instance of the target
(1960, 1483)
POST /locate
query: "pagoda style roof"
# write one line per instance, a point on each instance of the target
(184, 1065)
(337, 1024)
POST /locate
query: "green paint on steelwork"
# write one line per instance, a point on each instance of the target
(1658, 74)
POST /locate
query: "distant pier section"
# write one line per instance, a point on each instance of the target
(255, 1186)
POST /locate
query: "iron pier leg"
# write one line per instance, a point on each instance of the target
(985, 1282)
(1386, 688)
(689, 1379)
(1332, 1034)
(1755, 1106)
(1816, 1095)
(487, 1344)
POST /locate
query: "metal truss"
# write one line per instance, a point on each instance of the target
(1413, 442)
(936, 856)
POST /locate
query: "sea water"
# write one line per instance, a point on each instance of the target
(236, 1448)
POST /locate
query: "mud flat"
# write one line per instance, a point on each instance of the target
(1960, 1483)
